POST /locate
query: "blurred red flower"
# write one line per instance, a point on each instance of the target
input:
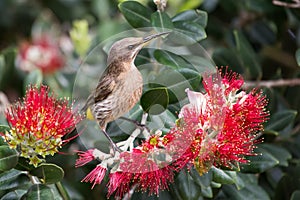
(42, 53)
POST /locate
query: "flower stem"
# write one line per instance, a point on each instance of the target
(62, 191)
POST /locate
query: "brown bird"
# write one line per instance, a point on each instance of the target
(120, 87)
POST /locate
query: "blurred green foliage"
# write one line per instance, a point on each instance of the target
(253, 37)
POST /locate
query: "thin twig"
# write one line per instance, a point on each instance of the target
(295, 4)
(272, 83)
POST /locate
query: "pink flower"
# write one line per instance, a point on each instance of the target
(84, 157)
(147, 168)
(228, 120)
(96, 175)
(39, 123)
(42, 53)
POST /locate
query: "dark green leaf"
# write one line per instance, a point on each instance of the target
(288, 184)
(8, 158)
(187, 33)
(259, 163)
(13, 195)
(187, 187)
(197, 16)
(280, 153)
(34, 77)
(177, 82)
(136, 14)
(39, 191)
(203, 181)
(12, 179)
(155, 101)
(298, 56)
(48, 173)
(223, 176)
(262, 32)
(227, 57)
(164, 121)
(295, 195)
(171, 59)
(280, 120)
(161, 20)
(8, 65)
(249, 192)
(247, 56)
(23, 164)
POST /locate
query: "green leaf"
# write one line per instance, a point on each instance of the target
(164, 121)
(16, 194)
(295, 195)
(48, 173)
(155, 101)
(136, 14)
(8, 158)
(190, 4)
(250, 192)
(12, 179)
(227, 57)
(259, 163)
(280, 153)
(297, 55)
(289, 183)
(203, 181)
(177, 82)
(161, 20)
(186, 186)
(171, 59)
(263, 32)
(34, 77)
(8, 65)
(223, 176)
(187, 33)
(247, 56)
(197, 16)
(281, 120)
(39, 191)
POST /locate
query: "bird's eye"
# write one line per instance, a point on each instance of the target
(130, 47)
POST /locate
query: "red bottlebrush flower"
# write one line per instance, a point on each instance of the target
(41, 54)
(84, 157)
(240, 127)
(228, 119)
(119, 182)
(151, 180)
(96, 175)
(147, 168)
(38, 124)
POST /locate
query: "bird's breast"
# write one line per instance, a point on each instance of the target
(128, 92)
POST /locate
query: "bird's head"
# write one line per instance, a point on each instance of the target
(127, 49)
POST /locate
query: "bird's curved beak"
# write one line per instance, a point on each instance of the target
(151, 37)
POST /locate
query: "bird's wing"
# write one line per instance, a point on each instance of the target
(104, 88)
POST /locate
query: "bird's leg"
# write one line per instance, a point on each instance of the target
(145, 131)
(136, 123)
(113, 145)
